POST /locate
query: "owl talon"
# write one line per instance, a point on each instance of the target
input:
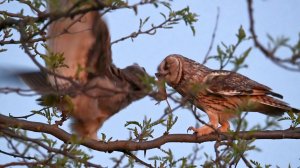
(223, 129)
(191, 129)
(205, 130)
(235, 92)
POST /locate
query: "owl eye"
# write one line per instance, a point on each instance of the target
(166, 67)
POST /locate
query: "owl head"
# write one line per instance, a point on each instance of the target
(170, 69)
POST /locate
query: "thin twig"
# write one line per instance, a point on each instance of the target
(213, 36)
(138, 159)
(19, 91)
(247, 163)
(150, 31)
(16, 155)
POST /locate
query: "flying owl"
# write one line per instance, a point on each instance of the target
(95, 88)
(221, 94)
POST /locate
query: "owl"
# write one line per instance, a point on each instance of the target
(88, 87)
(221, 94)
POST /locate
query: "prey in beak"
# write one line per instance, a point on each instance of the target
(161, 82)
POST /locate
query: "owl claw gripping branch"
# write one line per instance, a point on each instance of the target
(221, 94)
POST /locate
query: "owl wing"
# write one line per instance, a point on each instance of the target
(226, 83)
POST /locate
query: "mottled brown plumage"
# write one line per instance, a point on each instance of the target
(221, 94)
(101, 88)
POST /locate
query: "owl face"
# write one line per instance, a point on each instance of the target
(170, 70)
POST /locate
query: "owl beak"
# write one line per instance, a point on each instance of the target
(161, 74)
(158, 75)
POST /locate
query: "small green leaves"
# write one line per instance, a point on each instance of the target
(47, 112)
(54, 60)
(5, 34)
(168, 160)
(294, 118)
(258, 165)
(226, 54)
(48, 141)
(143, 131)
(115, 3)
(188, 17)
(103, 138)
(170, 122)
(241, 34)
(56, 101)
(149, 82)
(238, 62)
(51, 104)
(143, 22)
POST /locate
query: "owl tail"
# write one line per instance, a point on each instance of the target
(272, 106)
(294, 110)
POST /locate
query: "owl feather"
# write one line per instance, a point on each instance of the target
(101, 89)
(221, 94)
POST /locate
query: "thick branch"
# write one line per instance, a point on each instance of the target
(122, 145)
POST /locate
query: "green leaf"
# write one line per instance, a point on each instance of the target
(103, 137)
(146, 20)
(241, 34)
(163, 15)
(133, 123)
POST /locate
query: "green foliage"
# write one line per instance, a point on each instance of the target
(54, 60)
(103, 138)
(143, 22)
(294, 118)
(188, 17)
(143, 131)
(52, 100)
(233, 152)
(52, 103)
(38, 3)
(258, 165)
(116, 3)
(226, 54)
(131, 162)
(149, 82)
(50, 142)
(48, 113)
(170, 20)
(171, 120)
(241, 34)
(4, 34)
(169, 161)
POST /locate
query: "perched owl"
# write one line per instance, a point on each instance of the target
(96, 89)
(221, 94)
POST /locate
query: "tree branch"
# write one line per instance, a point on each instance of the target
(138, 159)
(16, 155)
(271, 53)
(127, 145)
(49, 149)
(150, 31)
